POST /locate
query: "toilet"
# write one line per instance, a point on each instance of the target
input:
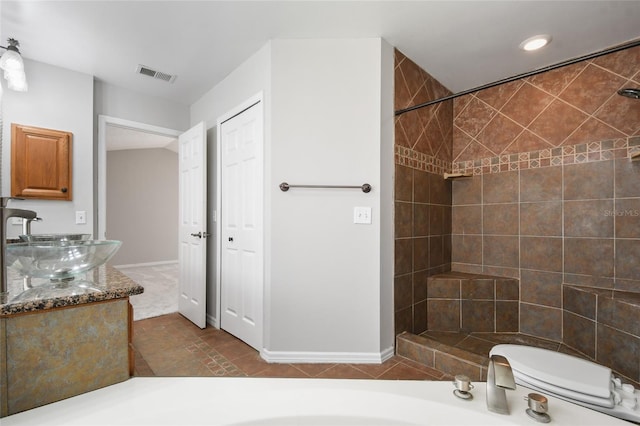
(572, 379)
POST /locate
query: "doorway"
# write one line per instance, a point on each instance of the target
(139, 180)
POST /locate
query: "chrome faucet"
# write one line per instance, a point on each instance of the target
(6, 214)
(499, 378)
(26, 225)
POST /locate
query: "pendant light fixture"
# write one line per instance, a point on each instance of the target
(13, 66)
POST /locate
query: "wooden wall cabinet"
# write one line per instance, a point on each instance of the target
(41, 163)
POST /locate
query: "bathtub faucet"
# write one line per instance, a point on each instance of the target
(499, 378)
(7, 213)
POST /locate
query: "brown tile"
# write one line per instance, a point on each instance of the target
(403, 291)
(474, 117)
(591, 88)
(526, 104)
(627, 254)
(627, 176)
(403, 320)
(312, 370)
(420, 186)
(403, 183)
(420, 317)
(499, 133)
(280, 370)
(449, 338)
(478, 315)
(579, 333)
(500, 219)
(588, 256)
(443, 315)
(402, 371)
(420, 285)
(588, 181)
(541, 288)
(478, 346)
(415, 351)
(620, 314)
(620, 113)
(403, 256)
(507, 315)
(625, 62)
(579, 301)
(466, 219)
(376, 370)
(498, 96)
(436, 220)
(588, 218)
(420, 220)
(467, 191)
(557, 122)
(466, 249)
(543, 184)
(443, 288)
(403, 219)
(420, 253)
(500, 187)
(507, 289)
(541, 321)
(555, 81)
(344, 371)
(437, 251)
(619, 351)
(439, 190)
(541, 253)
(501, 251)
(453, 365)
(627, 218)
(541, 218)
(478, 289)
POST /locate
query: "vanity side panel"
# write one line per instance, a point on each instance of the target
(60, 353)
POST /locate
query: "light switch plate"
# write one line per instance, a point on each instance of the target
(362, 215)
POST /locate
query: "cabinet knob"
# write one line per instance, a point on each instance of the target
(64, 190)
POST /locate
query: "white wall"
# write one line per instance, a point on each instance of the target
(325, 283)
(63, 100)
(142, 205)
(122, 103)
(328, 120)
(250, 78)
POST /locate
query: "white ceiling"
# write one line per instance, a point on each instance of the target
(463, 44)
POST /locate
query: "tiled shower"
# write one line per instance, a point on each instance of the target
(553, 202)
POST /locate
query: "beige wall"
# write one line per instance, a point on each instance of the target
(142, 205)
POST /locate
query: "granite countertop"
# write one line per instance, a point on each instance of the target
(103, 283)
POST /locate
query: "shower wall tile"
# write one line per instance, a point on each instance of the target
(588, 181)
(467, 191)
(541, 184)
(541, 288)
(588, 256)
(443, 315)
(627, 217)
(579, 333)
(619, 351)
(500, 188)
(541, 218)
(507, 314)
(402, 291)
(541, 321)
(500, 219)
(466, 249)
(590, 218)
(580, 301)
(478, 315)
(403, 219)
(501, 251)
(627, 176)
(466, 219)
(627, 259)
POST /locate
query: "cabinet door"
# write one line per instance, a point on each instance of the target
(40, 163)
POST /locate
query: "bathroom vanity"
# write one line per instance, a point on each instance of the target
(58, 341)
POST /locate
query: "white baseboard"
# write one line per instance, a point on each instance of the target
(213, 321)
(138, 265)
(327, 357)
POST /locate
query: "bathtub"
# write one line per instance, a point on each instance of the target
(253, 401)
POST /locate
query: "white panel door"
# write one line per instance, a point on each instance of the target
(192, 287)
(241, 272)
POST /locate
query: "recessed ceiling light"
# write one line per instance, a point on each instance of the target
(535, 42)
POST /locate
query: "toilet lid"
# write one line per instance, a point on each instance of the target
(558, 369)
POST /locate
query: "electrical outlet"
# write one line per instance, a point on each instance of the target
(81, 217)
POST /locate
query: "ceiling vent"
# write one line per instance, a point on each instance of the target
(144, 70)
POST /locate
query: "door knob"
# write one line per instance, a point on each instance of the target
(231, 239)
(199, 235)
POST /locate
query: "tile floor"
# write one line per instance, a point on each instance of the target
(170, 345)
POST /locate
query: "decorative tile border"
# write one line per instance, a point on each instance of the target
(419, 161)
(574, 154)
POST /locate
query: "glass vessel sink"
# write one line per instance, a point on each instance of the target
(59, 260)
(31, 238)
